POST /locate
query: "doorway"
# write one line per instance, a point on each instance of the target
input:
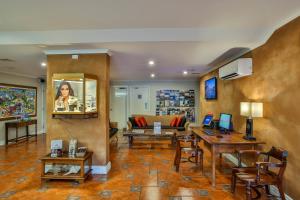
(118, 105)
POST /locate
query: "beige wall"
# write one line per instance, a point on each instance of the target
(92, 133)
(276, 83)
(20, 80)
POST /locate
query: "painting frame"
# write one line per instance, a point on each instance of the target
(20, 87)
(211, 89)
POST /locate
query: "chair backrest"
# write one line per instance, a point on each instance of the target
(280, 155)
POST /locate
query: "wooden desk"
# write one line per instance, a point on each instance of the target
(228, 144)
(17, 125)
(85, 164)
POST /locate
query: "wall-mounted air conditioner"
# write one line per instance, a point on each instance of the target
(236, 69)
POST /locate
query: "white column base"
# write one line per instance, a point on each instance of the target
(101, 169)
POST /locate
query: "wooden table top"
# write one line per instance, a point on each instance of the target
(21, 123)
(149, 132)
(233, 138)
(65, 156)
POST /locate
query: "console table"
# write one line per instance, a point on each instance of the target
(53, 168)
(17, 125)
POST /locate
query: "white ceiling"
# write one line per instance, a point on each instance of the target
(178, 35)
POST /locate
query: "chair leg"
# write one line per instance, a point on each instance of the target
(282, 196)
(233, 182)
(197, 156)
(175, 159)
(267, 188)
(258, 195)
(177, 152)
(248, 192)
(220, 160)
(178, 161)
(201, 161)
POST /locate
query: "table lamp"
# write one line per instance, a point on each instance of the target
(250, 110)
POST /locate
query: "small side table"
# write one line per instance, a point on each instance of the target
(57, 165)
(17, 125)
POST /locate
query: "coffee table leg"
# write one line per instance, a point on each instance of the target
(130, 141)
(16, 135)
(173, 140)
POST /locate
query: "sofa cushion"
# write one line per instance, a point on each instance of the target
(137, 121)
(167, 127)
(132, 121)
(174, 122)
(143, 121)
(183, 121)
(150, 119)
(179, 119)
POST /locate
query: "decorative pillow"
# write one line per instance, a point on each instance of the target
(173, 122)
(132, 121)
(137, 121)
(179, 119)
(143, 121)
(183, 121)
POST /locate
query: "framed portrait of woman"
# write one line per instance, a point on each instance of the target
(74, 93)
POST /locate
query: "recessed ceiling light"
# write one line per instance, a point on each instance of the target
(43, 64)
(185, 72)
(152, 75)
(151, 63)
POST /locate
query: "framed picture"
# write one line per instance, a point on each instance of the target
(74, 93)
(211, 88)
(17, 101)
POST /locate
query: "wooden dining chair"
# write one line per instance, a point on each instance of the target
(188, 144)
(263, 174)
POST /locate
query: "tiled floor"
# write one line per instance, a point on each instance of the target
(144, 172)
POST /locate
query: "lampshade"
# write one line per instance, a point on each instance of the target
(256, 109)
(252, 109)
(245, 109)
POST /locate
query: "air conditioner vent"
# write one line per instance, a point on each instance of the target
(230, 76)
(236, 69)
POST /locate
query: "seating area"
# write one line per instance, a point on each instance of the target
(167, 122)
(149, 100)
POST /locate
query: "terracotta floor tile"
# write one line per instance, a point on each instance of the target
(154, 193)
(143, 172)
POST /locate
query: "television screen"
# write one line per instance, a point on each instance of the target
(211, 88)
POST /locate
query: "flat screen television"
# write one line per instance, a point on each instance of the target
(211, 88)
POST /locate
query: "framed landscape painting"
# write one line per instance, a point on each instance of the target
(211, 88)
(17, 101)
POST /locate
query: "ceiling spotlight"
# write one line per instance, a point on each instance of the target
(43, 64)
(185, 72)
(152, 75)
(151, 63)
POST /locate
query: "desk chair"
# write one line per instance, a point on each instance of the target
(192, 149)
(263, 174)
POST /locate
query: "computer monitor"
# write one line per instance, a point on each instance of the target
(225, 121)
(207, 120)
